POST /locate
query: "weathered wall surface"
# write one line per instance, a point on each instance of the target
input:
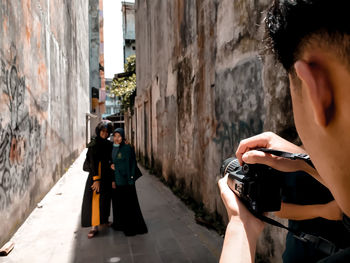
(94, 37)
(128, 29)
(44, 80)
(202, 86)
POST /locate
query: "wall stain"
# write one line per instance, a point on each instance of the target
(28, 34)
(228, 135)
(4, 25)
(239, 108)
(184, 92)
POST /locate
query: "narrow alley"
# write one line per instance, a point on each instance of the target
(186, 80)
(52, 232)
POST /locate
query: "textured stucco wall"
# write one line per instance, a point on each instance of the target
(44, 95)
(128, 20)
(128, 10)
(202, 86)
(96, 59)
(94, 37)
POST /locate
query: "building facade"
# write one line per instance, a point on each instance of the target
(44, 97)
(96, 61)
(128, 10)
(202, 86)
(113, 104)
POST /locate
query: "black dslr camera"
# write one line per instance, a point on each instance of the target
(258, 186)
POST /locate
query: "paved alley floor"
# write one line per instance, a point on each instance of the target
(52, 233)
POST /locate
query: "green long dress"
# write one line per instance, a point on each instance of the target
(127, 215)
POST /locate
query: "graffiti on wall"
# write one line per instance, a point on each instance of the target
(228, 135)
(239, 109)
(20, 135)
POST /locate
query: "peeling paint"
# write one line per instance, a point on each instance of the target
(4, 25)
(210, 89)
(28, 34)
(42, 75)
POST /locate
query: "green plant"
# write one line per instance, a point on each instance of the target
(124, 86)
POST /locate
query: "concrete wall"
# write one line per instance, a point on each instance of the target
(202, 86)
(128, 20)
(44, 95)
(96, 58)
(94, 40)
(128, 10)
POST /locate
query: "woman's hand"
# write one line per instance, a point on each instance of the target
(112, 166)
(114, 186)
(96, 186)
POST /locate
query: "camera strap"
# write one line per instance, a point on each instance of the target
(287, 155)
(319, 243)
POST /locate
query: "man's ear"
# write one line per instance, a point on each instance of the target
(319, 89)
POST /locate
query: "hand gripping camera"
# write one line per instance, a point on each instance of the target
(258, 186)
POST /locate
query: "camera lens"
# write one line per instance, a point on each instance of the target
(229, 165)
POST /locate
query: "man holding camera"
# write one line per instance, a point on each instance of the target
(311, 38)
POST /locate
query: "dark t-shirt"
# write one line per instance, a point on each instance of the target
(300, 188)
(344, 255)
(340, 257)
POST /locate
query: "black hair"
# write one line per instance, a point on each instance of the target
(293, 24)
(103, 125)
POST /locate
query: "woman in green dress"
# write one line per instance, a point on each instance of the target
(127, 216)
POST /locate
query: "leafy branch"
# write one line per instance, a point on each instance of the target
(124, 86)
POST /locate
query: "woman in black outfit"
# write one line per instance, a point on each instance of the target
(97, 195)
(127, 215)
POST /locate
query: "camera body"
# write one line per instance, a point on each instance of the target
(258, 186)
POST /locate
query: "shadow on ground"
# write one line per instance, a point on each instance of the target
(173, 234)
